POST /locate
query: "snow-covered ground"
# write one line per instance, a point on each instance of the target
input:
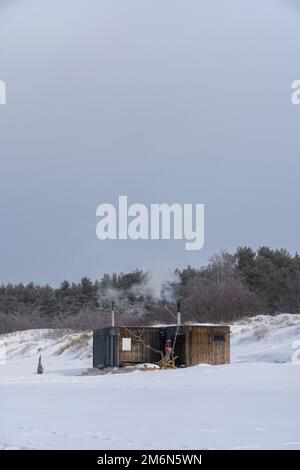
(252, 403)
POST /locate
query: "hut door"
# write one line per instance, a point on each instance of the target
(218, 349)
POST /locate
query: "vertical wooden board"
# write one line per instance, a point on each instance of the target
(220, 349)
(198, 345)
(201, 350)
(212, 346)
(191, 337)
(192, 346)
(227, 344)
(186, 346)
(205, 344)
(191, 343)
(208, 348)
(195, 345)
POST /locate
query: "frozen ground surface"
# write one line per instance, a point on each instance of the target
(253, 403)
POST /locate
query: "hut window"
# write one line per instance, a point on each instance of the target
(219, 338)
(126, 344)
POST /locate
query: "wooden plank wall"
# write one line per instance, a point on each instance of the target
(201, 348)
(140, 338)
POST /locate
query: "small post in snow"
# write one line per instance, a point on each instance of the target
(40, 368)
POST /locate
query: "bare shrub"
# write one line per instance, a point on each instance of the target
(77, 342)
(209, 301)
(64, 324)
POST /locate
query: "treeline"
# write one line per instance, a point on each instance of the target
(230, 286)
(86, 304)
(244, 283)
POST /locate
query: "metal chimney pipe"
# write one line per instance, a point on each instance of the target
(112, 314)
(178, 313)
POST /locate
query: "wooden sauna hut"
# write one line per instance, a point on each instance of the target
(195, 344)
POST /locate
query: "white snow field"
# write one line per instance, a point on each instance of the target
(252, 403)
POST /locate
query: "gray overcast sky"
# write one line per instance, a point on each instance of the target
(165, 101)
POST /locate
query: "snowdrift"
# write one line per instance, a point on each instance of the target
(263, 338)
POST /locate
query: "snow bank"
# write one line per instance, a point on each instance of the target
(263, 338)
(266, 338)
